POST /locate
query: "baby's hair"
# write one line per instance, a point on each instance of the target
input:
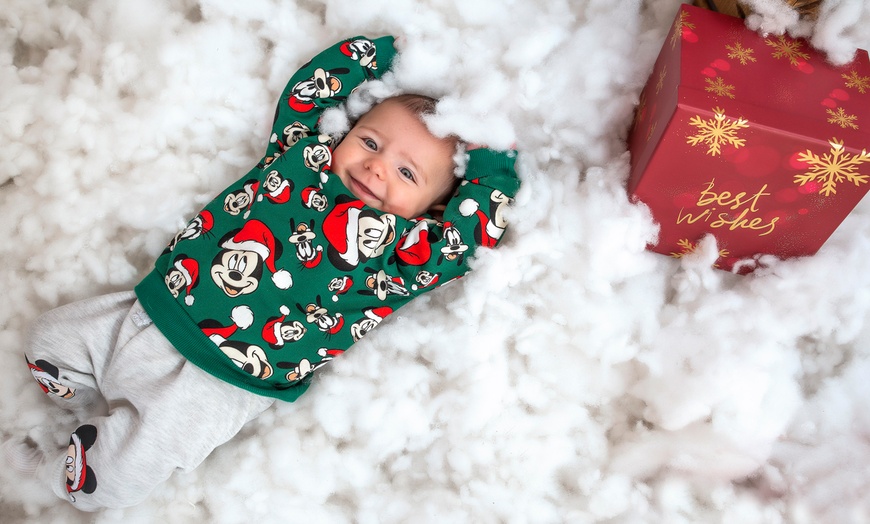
(418, 104)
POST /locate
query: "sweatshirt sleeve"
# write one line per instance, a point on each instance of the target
(433, 253)
(324, 82)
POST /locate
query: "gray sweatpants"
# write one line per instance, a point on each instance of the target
(146, 410)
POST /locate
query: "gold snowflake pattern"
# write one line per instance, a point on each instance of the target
(687, 248)
(861, 83)
(661, 82)
(640, 112)
(787, 48)
(679, 24)
(833, 167)
(650, 131)
(719, 87)
(841, 119)
(744, 55)
(717, 131)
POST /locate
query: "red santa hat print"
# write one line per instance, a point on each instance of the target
(299, 105)
(79, 475)
(277, 188)
(312, 198)
(308, 195)
(470, 207)
(281, 195)
(340, 285)
(206, 220)
(189, 269)
(255, 236)
(329, 354)
(341, 227)
(378, 313)
(415, 248)
(242, 318)
(272, 329)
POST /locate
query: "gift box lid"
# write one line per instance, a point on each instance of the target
(787, 81)
(711, 61)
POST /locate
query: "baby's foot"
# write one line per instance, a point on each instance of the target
(22, 455)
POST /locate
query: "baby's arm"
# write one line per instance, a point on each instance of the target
(326, 81)
(473, 218)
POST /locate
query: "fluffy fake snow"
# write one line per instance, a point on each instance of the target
(574, 377)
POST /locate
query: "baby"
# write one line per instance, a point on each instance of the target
(286, 269)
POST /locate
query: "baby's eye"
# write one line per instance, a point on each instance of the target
(407, 173)
(370, 144)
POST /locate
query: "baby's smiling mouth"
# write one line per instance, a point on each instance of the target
(361, 190)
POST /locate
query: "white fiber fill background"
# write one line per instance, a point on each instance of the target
(572, 377)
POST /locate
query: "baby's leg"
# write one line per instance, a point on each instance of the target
(71, 345)
(67, 353)
(164, 414)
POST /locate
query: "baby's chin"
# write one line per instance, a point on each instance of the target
(360, 194)
(372, 201)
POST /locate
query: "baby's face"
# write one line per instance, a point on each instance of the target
(391, 162)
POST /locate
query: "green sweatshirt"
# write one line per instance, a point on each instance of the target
(286, 269)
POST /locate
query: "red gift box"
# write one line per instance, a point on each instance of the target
(757, 141)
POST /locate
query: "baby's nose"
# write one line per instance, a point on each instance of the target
(377, 167)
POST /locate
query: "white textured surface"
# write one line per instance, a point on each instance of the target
(574, 377)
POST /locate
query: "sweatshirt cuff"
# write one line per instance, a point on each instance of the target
(485, 163)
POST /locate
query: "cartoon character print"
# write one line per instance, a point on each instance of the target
(291, 134)
(372, 317)
(312, 198)
(415, 246)
(363, 51)
(183, 275)
(302, 237)
(201, 224)
(218, 332)
(276, 188)
(356, 235)
(278, 330)
(489, 230)
(381, 285)
(454, 248)
(248, 357)
(426, 278)
(329, 354)
(48, 376)
(299, 370)
(318, 315)
(79, 475)
(303, 368)
(339, 286)
(322, 84)
(318, 157)
(238, 267)
(242, 199)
